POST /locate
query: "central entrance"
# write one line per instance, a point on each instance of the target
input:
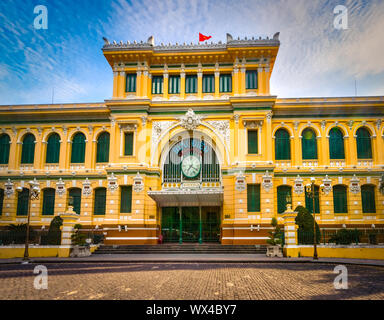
(190, 224)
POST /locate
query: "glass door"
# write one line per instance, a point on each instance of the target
(170, 224)
(211, 224)
(190, 224)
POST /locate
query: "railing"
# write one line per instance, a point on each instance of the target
(39, 237)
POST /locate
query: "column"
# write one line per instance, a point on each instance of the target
(70, 218)
(266, 79)
(242, 80)
(145, 84)
(115, 84)
(138, 83)
(200, 85)
(121, 86)
(65, 148)
(260, 81)
(235, 81)
(149, 87)
(351, 146)
(38, 160)
(269, 141)
(165, 85)
(90, 145)
(182, 85)
(13, 162)
(290, 232)
(217, 84)
(200, 227)
(181, 227)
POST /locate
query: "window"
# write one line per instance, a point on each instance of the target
(22, 202)
(128, 143)
(363, 141)
(28, 149)
(4, 148)
(309, 201)
(100, 201)
(130, 82)
(252, 142)
(282, 145)
(103, 147)
(1, 201)
(190, 84)
(368, 198)
(157, 84)
(208, 83)
(78, 148)
(48, 201)
(75, 193)
(53, 149)
(225, 83)
(309, 144)
(126, 199)
(251, 79)
(336, 144)
(253, 197)
(340, 204)
(174, 84)
(282, 193)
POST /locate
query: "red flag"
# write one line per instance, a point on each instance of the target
(203, 37)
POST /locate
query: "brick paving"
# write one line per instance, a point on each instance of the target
(194, 281)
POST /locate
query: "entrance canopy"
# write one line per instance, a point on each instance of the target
(190, 198)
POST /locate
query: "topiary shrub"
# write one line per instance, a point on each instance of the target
(275, 236)
(53, 237)
(346, 236)
(304, 220)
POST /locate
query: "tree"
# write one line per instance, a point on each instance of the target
(304, 220)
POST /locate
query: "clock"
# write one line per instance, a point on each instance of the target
(191, 166)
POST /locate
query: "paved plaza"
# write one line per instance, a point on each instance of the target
(195, 281)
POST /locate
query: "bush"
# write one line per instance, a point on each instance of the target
(346, 236)
(98, 238)
(54, 233)
(275, 236)
(304, 220)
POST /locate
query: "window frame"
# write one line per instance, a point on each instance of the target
(256, 207)
(257, 142)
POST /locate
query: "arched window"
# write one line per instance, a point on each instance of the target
(282, 145)
(103, 147)
(4, 148)
(309, 201)
(340, 203)
(28, 149)
(336, 144)
(282, 193)
(48, 201)
(309, 144)
(363, 141)
(1, 201)
(99, 201)
(78, 148)
(75, 193)
(22, 202)
(53, 149)
(368, 198)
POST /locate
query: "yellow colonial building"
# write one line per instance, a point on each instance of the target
(193, 146)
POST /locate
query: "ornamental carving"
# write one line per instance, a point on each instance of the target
(9, 188)
(60, 187)
(190, 121)
(240, 184)
(112, 183)
(267, 182)
(298, 186)
(354, 185)
(327, 185)
(138, 183)
(87, 189)
(158, 128)
(222, 127)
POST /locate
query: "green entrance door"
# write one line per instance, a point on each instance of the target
(211, 224)
(190, 224)
(170, 224)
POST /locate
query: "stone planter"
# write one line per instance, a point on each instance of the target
(274, 251)
(80, 251)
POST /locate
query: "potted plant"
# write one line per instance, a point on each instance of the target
(275, 240)
(80, 246)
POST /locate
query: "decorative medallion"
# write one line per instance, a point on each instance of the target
(240, 184)
(87, 189)
(354, 186)
(327, 185)
(60, 187)
(9, 188)
(267, 182)
(298, 186)
(138, 183)
(190, 121)
(112, 183)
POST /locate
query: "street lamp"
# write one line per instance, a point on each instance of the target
(33, 194)
(310, 188)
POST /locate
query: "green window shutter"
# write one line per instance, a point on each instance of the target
(208, 83)
(368, 199)
(282, 192)
(251, 79)
(364, 146)
(53, 149)
(253, 197)
(340, 204)
(48, 201)
(1, 201)
(309, 144)
(28, 149)
(75, 193)
(157, 84)
(225, 83)
(130, 82)
(78, 148)
(128, 143)
(23, 202)
(174, 84)
(191, 84)
(336, 144)
(282, 145)
(309, 201)
(252, 142)
(100, 201)
(126, 199)
(103, 147)
(4, 148)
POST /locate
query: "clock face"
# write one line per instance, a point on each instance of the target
(191, 166)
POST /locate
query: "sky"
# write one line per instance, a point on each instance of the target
(64, 63)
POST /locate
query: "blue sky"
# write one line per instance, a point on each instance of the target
(314, 60)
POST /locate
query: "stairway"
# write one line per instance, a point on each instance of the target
(205, 248)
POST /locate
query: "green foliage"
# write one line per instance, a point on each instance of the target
(17, 234)
(275, 236)
(77, 226)
(98, 238)
(56, 223)
(346, 236)
(54, 233)
(304, 220)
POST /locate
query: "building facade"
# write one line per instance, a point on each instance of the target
(192, 145)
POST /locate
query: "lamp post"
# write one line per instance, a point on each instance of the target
(33, 194)
(310, 188)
